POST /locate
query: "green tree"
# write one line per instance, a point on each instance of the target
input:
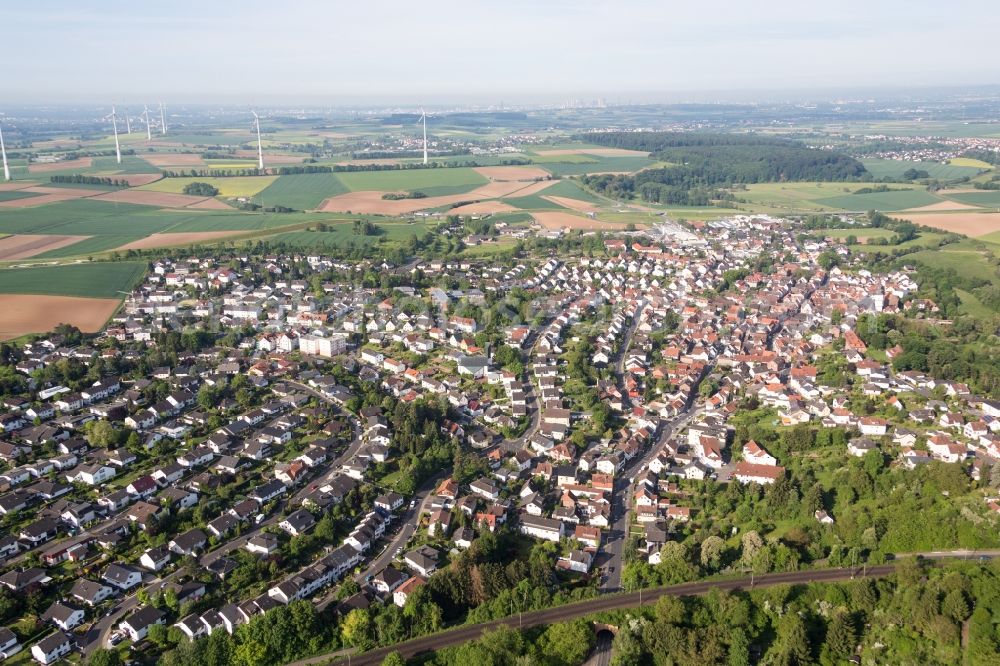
(567, 643)
(102, 657)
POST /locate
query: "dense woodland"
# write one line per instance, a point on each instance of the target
(916, 617)
(701, 163)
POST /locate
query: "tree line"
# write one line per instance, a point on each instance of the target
(80, 179)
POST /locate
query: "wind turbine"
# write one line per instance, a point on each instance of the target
(163, 120)
(149, 132)
(114, 123)
(128, 123)
(423, 117)
(3, 151)
(260, 149)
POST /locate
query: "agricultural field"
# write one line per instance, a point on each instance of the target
(14, 195)
(612, 164)
(302, 191)
(571, 190)
(885, 201)
(433, 182)
(896, 168)
(110, 225)
(532, 202)
(983, 199)
(89, 280)
(970, 224)
(969, 162)
(342, 235)
(32, 313)
(964, 260)
(237, 186)
(862, 234)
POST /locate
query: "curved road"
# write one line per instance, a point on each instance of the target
(580, 609)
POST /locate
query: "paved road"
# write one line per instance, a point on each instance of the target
(621, 503)
(577, 610)
(601, 656)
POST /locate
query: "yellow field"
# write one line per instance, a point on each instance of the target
(237, 186)
(969, 162)
(213, 164)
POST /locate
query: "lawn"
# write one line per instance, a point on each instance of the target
(459, 180)
(302, 191)
(94, 280)
(237, 186)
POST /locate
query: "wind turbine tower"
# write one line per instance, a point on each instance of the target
(423, 117)
(3, 151)
(128, 123)
(260, 149)
(149, 132)
(163, 120)
(114, 124)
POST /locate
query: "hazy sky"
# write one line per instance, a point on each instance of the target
(440, 50)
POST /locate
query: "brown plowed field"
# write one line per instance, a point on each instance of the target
(970, 224)
(512, 172)
(151, 198)
(173, 159)
(22, 246)
(28, 313)
(574, 204)
(557, 220)
(371, 201)
(81, 163)
(173, 240)
(482, 208)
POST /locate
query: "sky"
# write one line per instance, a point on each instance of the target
(337, 52)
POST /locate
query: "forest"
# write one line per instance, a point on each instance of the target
(702, 162)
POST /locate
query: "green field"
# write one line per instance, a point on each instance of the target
(569, 189)
(970, 162)
(894, 200)
(460, 180)
(341, 236)
(302, 191)
(563, 159)
(14, 195)
(984, 199)
(627, 164)
(533, 202)
(94, 280)
(237, 186)
(965, 261)
(895, 169)
(860, 233)
(112, 225)
(130, 164)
